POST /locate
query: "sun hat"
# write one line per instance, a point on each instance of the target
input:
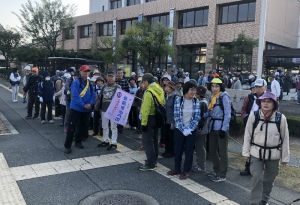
(201, 90)
(171, 84)
(270, 96)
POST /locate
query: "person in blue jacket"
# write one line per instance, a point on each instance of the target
(82, 102)
(45, 94)
(219, 109)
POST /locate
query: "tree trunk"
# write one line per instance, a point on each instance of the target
(6, 63)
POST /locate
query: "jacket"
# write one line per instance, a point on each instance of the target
(132, 90)
(77, 102)
(275, 88)
(107, 94)
(205, 129)
(62, 97)
(272, 138)
(218, 115)
(237, 85)
(33, 84)
(178, 114)
(15, 79)
(58, 85)
(97, 97)
(170, 108)
(148, 106)
(46, 90)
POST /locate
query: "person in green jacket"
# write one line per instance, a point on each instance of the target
(148, 121)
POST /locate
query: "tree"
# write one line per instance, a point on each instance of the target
(30, 54)
(9, 41)
(237, 54)
(145, 43)
(45, 22)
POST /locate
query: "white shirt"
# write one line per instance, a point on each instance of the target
(186, 79)
(275, 88)
(187, 112)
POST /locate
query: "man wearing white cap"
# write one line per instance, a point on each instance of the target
(27, 70)
(187, 77)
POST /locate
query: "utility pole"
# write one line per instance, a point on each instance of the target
(262, 28)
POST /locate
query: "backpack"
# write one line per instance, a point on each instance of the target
(233, 112)
(264, 148)
(204, 109)
(250, 103)
(160, 112)
(55, 84)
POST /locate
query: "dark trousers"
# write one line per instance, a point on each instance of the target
(186, 145)
(97, 122)
(63, 112)
(132, 117)
(162, 134)
(33, 99)
(120, 128)
(80, 118)
(43, 110)
(57, 108)
(247, 165)
(150, 141)
(169, 139)
(139, 126)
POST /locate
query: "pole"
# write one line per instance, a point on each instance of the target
(262, 28)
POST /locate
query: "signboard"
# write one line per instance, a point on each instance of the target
(126, 68)
(114, 34)
(171, 25)
(119, 108)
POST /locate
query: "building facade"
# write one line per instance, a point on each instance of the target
(199, 25)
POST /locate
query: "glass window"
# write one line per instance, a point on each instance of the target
(243, 13)
(154, 20)
(199, 18)
(86, 31)
(110, 29)
(163, 20)
(232, 13)
(190, 19)
(251, 12)
(224, 14)
(205, 17)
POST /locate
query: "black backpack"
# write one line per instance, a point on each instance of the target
(265, 148)
(233, 112)
(160, 112)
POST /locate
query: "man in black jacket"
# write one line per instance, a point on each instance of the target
(32, 89)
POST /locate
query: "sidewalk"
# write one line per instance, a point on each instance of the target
(45, 175)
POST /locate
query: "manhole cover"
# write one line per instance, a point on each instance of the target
(119, 197)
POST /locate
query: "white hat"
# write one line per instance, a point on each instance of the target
(133, 73)
(67, 75)
(251, 76)
(277, 73)
(96, 71)
(27, 67)
(94, 78)
(187, 73)
(57, 71)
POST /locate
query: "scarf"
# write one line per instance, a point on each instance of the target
(214, 100)
(83, 92)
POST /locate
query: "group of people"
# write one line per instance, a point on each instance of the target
(191, 119)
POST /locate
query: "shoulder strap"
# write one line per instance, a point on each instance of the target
(181, 100)
(154, 99)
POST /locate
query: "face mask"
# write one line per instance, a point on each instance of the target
(47, 78)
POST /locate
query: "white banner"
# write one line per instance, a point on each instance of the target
(171, 25)
(114, 34)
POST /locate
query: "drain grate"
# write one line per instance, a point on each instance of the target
(119, 197)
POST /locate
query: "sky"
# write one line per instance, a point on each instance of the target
(7, 18)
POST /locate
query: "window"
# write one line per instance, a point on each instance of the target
(193, 18)
(125, 24)
(192, 59)
(164, 19)
(69, 33)
(133, 2)
(106, 29)
(244, 12)
(86, 31)
(115, 4)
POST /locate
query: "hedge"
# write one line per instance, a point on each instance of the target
(237, 129)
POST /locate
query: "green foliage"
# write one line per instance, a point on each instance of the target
(238, 53)
(9, 41)
(146, 42)
(30, 54)
(44, 22)
(238, 129)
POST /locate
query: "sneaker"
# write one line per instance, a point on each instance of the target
(51, 121)
(112, 147)
(68, 151)
(43, 122)
(28, 117)
(218, 179)
(173, 172)
(146, 168)
(197, 168)
(66, 130)
(141, 148)
(184, 175)
(103, 144)
(246, 172)
(57, 118)
(211, 174)
(79, 145)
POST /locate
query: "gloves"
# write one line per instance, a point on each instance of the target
(144, 128)
(53, 98)
(187, 132)
(222, 134)
(140, 116)
(41, 99)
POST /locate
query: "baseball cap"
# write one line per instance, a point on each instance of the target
(111, 73)
(251, 76)
(260, 82)
(200, 71)
(57, 71)
(96, 71)
(252, 85)
(27, 67)
(85, 68)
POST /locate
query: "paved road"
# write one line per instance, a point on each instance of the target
(34, 169)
